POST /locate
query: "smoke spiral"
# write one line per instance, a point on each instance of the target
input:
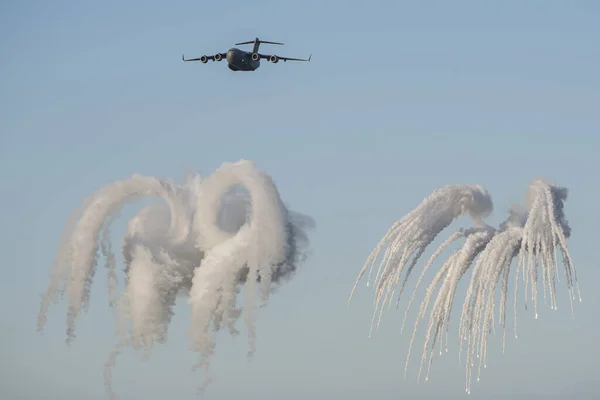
(205, 241)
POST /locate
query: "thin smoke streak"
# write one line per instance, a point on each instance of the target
(531, 235)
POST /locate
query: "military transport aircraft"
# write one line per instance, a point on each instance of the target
(240, 60)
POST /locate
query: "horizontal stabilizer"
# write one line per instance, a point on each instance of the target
(257, 40)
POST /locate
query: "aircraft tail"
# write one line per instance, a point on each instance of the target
(256, 42)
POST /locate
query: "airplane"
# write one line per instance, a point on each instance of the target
(240, 60)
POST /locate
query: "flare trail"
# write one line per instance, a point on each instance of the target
(206, 241)
(533, 236)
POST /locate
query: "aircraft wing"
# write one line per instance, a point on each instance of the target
(268, 56)
(204, 58)
(197, 59)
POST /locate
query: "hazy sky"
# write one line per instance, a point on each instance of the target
(398, 100)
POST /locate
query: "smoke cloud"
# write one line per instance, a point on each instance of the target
(532, 235)
(210, 238)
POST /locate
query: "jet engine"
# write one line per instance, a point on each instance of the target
(274, 59)
(204, 59)
(255, 56)
(218, 57)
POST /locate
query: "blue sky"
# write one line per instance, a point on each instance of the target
(399, 99)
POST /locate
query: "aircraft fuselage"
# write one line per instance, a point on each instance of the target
(240, 60)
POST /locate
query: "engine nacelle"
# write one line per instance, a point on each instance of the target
(255, 56)
(204, 59)
(218, 57)
(274, 59)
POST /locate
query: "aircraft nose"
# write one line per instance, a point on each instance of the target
(229, 56)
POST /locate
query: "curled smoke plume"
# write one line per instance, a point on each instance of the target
(532, 235)
(204, 242)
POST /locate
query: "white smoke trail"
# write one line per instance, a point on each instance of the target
(206, 244)
(417, 230)
(532, 235)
